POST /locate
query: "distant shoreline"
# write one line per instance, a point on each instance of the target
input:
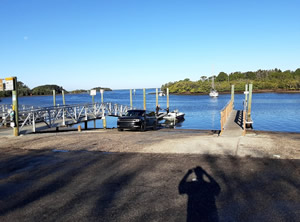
(242, 92)
(189, 93)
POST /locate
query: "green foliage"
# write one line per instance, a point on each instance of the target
(222, 77)
(23, 90)
(105, 89)
(46, 90)
(79, 91)
(273, 79)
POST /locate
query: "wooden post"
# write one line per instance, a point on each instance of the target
(54, 98)
(102, 91)
(246, 93)
(144, 90)
(15, 106)
(232, 94)
(63, 96)
(103, 119)
(168, 104)
(250, 100)
(130, 92)
(104, 122)
(156, 97)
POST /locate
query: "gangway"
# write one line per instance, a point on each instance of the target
(64, 115)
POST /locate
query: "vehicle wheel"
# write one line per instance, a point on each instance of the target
(155, 126)
(143, 127)
(120, 129)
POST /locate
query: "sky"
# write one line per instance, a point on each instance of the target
(123, 44)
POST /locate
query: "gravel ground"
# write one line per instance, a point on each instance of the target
(254, 144)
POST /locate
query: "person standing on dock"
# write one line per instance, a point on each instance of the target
(157, 109)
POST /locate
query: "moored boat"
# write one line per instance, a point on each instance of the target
(175, 115)
(161, 93)
(213, 92)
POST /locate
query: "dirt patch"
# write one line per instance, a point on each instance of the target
(255, 144)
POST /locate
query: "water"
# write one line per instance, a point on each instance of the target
(270, 111)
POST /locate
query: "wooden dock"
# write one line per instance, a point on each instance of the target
(234, 124)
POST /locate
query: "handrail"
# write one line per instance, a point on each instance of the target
(226, 105)
(244, 117)
(53, 115)
(225, 113)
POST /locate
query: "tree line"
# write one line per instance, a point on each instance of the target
(274, 79)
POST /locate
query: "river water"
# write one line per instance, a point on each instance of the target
(270, 111)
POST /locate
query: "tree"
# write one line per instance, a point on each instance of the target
(250, 75)
(222, 77)
(203, 78)
(46, 89)
(23, 90)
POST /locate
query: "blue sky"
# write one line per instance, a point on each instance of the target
(143, 43)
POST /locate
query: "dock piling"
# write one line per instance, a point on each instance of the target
(232, 93)
(63, 97)
(102, 92)
(144, 91)
(130, 95)
(246, 93)
(156, 97)
(168, 104)
(54, 98)
(250, 100)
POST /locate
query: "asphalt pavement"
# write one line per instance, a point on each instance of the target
(60, 185)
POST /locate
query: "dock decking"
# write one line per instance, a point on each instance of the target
(234, 124)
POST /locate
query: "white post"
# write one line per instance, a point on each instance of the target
(33, 122)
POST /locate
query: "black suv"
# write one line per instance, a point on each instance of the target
(137, 119)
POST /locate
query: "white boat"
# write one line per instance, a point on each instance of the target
(175, 115)
(161, 93)
(213, 92)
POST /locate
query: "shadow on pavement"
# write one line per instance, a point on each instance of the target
(201, 192)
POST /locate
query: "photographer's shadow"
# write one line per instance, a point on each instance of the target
(201, 192)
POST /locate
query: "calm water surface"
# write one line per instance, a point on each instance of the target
(270, 111)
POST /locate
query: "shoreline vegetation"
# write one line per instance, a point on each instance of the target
(241, 92)
(45, 90)
(263, 81)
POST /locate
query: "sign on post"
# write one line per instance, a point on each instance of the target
(9, 84)
(1, 85)
(93, 92)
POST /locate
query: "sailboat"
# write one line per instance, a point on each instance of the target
(213, 91)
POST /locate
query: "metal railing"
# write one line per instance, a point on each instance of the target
(61, 115)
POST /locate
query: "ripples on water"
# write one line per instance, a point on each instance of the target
(270, 111)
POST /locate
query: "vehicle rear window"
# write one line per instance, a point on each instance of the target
(134, 113)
